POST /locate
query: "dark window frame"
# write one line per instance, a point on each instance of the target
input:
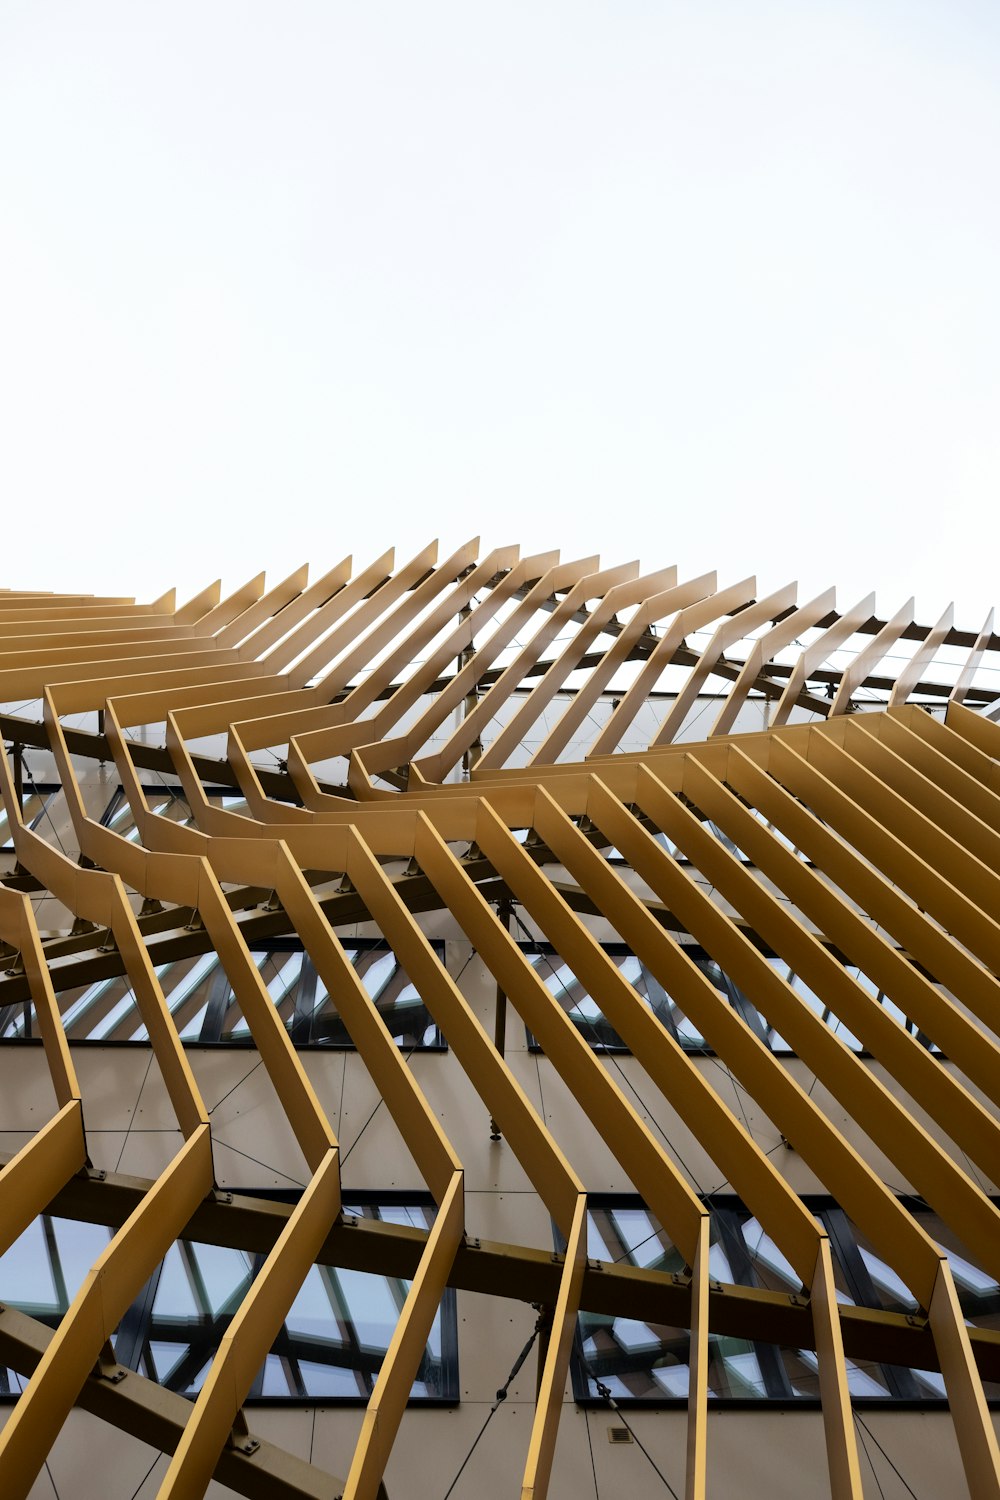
(138, 1327)
(902, 1386)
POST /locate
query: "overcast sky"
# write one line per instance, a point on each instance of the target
(709, 283)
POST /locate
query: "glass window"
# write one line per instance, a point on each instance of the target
(584, 1008)
(167, 801)
(205, 1010)
(38, 798)
(331, 1345)
(640, 1361)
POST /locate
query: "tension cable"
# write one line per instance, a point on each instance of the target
(605, 1392)
(540, 1323)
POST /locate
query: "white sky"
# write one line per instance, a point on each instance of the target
(699, 282)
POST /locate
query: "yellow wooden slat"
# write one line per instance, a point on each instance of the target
(548, 1405)
(250, 1334)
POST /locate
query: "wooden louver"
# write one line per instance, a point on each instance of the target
(813, 786)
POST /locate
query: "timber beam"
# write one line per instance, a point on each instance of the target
(524, 1274)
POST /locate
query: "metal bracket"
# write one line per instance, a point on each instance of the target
(107, 1367)
(245, 1445)
(240, 1437)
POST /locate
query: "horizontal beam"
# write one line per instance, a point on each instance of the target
(523, 1274)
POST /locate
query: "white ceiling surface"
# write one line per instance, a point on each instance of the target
(710, 284)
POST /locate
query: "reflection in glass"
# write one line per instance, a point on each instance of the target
(205, 1010)
(649, 1361)
(585, 1011)
(331, 1344)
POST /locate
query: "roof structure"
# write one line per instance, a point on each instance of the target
(586, 756)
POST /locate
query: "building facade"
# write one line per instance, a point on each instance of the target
(496, 1025)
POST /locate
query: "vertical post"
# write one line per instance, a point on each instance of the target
(977, 1440)
(697, 1416)
(838, 1421)
(556, 1327)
